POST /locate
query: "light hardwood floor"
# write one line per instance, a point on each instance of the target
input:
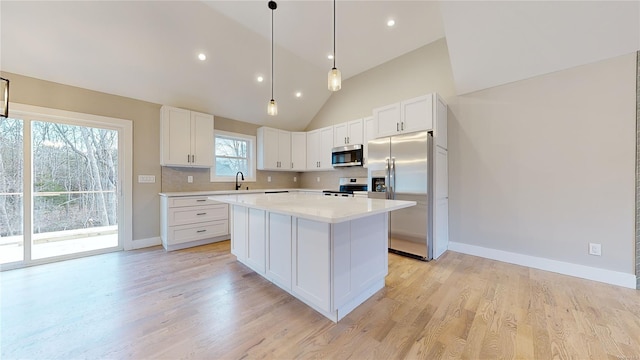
(201, 303)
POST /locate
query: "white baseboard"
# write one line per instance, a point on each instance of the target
(143, 243)
(561, 267)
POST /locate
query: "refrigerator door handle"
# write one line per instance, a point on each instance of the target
(392, 179)
(387, 179)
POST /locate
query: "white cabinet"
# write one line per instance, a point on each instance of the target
(411, 115)
(298, 151)
(441, 203)
(370, 133)
(348, 133)
(256, 241)
(312, 264)
(186, 138)
(319, 145)
(274, 149)
(188, 221)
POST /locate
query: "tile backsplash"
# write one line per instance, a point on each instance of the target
(175, 179)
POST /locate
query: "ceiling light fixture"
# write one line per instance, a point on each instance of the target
(335, 79)
(391, 22)
(330, 56)
(272, 108)
(298, 94)
(202, 57)
(260, 79)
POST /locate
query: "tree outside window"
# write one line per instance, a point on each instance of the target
(233, 153)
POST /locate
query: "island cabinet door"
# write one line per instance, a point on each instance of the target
(279, 250)
(311, 263)
(239, 232)
(256, 241)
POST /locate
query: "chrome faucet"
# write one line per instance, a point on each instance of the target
(242, 176)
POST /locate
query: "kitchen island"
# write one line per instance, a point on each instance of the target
(328, 252)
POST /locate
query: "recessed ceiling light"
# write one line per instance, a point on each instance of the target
(298, 94)
(330, 56)
(391, 22)
(260, 79)
(202, 57)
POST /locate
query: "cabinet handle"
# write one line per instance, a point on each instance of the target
(201, 231)
(397, 126)
(193, 159)
(199, 200)
(201, 214)
(292, 165)
(348, 140)
(402, 126)
(188, 158)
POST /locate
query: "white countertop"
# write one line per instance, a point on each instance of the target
(329, 209)
(229, 192)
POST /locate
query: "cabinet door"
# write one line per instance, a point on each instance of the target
(326, 144)
(387, 119)
(175, 140)
(299, 151)
(355, 135)
(417, 114)
(441, 203)
(284, 150)
(202, 140)
(279, 250)
(267, 148)
(313, 146)
(340, 133)
(370, 132)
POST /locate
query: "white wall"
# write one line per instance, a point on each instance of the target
(546, 165)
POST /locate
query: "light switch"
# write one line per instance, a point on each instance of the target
(146, 179)
(189, 179)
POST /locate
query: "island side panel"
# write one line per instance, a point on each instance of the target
(311, 264)
(239, 223)
(279, 259)
(256, 241)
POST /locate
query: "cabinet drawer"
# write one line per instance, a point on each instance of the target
(197, 214)
(190, 201)
(186, 233)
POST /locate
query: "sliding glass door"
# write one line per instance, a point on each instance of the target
(70, 203)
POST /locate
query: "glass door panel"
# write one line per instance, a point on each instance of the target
(75, 200)
(11, 190)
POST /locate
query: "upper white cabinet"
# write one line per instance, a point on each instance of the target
(411, 115)
(319, 145)
(370, 133)
(348, 133)
(298, 151)
(186, 138)
(274, 149)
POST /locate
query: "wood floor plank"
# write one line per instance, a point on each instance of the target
(201, 303)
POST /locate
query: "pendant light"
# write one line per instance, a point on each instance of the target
(335, 79)
(272, 108)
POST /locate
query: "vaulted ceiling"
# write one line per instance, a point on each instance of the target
(148, 50)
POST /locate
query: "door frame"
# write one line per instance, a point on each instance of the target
(29, 113)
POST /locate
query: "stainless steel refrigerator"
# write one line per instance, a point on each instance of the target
(401, 168)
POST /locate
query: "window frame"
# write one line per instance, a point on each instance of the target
(251, 161)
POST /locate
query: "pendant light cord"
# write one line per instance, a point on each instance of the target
(272, 54)
(334, 34)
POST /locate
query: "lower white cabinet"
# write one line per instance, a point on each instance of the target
(187, 221)
(279, 250)
(312, 263)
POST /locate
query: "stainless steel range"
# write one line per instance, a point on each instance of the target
(348, 186)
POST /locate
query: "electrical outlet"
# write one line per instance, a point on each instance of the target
(189, 179)
(146, 179)
(268, 178)
(318, 179)
(295, 179)
(595, 249)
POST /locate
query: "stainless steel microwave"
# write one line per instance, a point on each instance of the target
(350, 155)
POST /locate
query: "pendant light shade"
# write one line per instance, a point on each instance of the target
(334, 82)
(272, 108)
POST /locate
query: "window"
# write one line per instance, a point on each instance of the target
(233, 153)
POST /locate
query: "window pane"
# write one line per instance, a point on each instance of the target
(11, 165)
(229, 167)
(231, 147)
